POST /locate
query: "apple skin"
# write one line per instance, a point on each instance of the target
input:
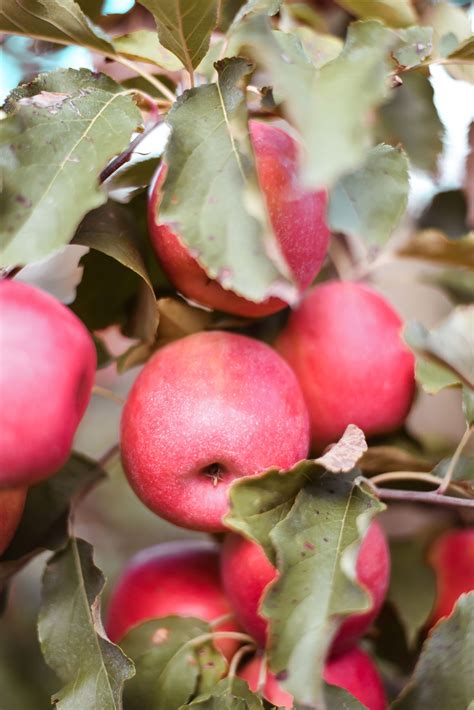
(344, 344)
(178, 578)
(212, 400)
(452, 558)
(46, 376)
(12, 502)
(297, 217)
(244, 559)
(354, 671)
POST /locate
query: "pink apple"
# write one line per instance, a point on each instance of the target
(344, 344)
(204, 411)
(297, 217)
(243, 559)
(47, 371)
(12, 502)
(452, 557)
(172, 579)
(354, 671)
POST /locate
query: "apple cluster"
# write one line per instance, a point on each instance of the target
(214, 407)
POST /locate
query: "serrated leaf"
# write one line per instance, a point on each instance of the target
(344, 455)
(396, 13)
(184, 28)
(414, 601)
(370, 202)
(67, 125)
(44, 524)
(316, 547)
(72, 639)
(169, 667)
(443, 675)
(144, 46)
(60, 21)
(221, 217)
(231, 694)
(433, 246)
(411, 118)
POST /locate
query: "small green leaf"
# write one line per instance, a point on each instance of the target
(396, 13)
(169, 668)
(433, 377)
(443, 676)
(370, 202)
(60, 132)
(144, 46)
(184, 29)
(72, 639)
(229, 693)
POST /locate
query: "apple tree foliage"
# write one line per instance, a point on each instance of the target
(351, 78)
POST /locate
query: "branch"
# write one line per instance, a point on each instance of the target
(124, 157)
(454, 461)
(422, 497)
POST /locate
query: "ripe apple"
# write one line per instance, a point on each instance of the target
(354, 671)
(178, 578)
(297, 217)
(344, 344)
(47, 371)
(205, 410)
(243, 559)
(12, 502)
(452, 557)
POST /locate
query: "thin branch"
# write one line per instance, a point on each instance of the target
(107, 394)
(237, 657)
(454, 461)
(421, 497)
(162, 88)
(215, 623)
(405, 476)
(124, 157)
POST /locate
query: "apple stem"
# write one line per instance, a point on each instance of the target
(262, 675)
(446, 482)
(217, 635)
(221, 620)
(237, 657)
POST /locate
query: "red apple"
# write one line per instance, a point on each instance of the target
(344, 344)
(205, 410)
(172, 579)
(354, 671)
(12, 502)
(452, 557)
(47, 371)
(243, 559)
(297, 217)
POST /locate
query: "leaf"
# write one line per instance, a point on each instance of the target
(72, 639)
(433, 377)
(370, 202)
(339, 699)
(464, 51)
(320, 48)
(144, 46)
(44, 524)
(442, 677)
(411, 118)
(60, 21)
(316, 547)
(451, 29)
(413, 602)
(211, 196)
(168, 665)
(184, 29)
(61, 130)
(457, 283)
(257, 7)
(231, 694)
(468, 405)
(344, 455)
(396, 13)
(416, 47)
(432, 245)
(463, 471)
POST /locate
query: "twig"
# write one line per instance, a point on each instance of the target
(162, 88)
(405, 476)
(422, 497)
(107, 394)
(124, 157)
(237, 657)
(221, 620)
(454, 461)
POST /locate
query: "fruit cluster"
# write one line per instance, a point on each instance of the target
(214, 407)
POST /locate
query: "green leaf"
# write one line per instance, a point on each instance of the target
(396, 13)
(468, 405)
(72, 639)
(413, 602)
(316, 547)
(457, 283)
(416, 47)
(452, 31)
(229, 693)
(320, 48)
(211, 196)
(434, 377)
(169, 668)
(339, 699)
(443, 676)
(184, 29)
(411, 118)
(44, 524)
(370, 202)
(257, 7)
(464, 51)
(60, 21)
(144, 46)
(61, 131)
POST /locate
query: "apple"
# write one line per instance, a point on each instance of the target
(178, 578)
(244, 559)
(452, 558)
(344, 344)
(206, 410)
(12, 502)
(47, 371)
(354, 671)
(297, 217)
